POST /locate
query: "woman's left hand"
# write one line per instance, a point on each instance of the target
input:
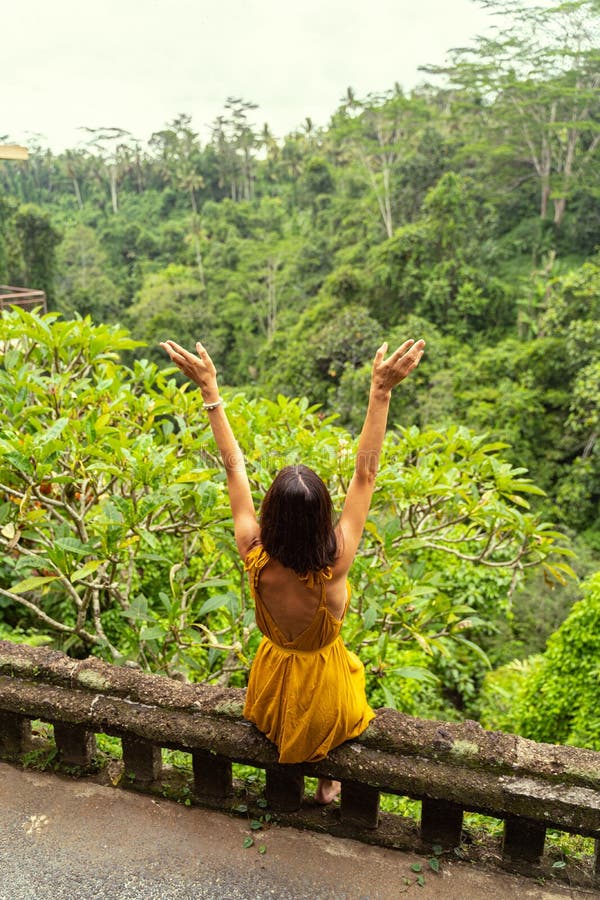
(199, 369)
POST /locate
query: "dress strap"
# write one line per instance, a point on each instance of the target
(312, 579)
(256, 560)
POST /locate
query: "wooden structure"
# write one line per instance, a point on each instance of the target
(13, 151)
(26, 298)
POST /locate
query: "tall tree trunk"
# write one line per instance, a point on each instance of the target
(77, 192)
(387, 201)
(197, 250)
(113, 189)
(272, 266)
(561, 202)
(382, 197)
(559, 210)
(545, 167)
(544, 197)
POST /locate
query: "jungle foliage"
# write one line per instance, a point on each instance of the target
(466, 212)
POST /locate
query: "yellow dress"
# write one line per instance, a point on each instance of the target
(306, 695)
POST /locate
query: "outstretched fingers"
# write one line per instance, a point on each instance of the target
(380, 354)
(182, 357)
(402, 349)
(413, 356)
(173, 348)
(204, 354)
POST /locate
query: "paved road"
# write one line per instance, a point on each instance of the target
(65, 839)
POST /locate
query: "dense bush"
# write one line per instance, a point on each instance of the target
(559, 700)
(116, 531)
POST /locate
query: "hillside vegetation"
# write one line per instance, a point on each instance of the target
(466, 212)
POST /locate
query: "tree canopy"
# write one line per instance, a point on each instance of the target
(467, 212)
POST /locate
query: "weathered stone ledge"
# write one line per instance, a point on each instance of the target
(464, 744)
(449, 767)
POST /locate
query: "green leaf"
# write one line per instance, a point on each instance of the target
(370, 617)
(416, 867)
(434, 864)
(72, 545)
(262, 849)
(416, 673)
(476, 650)
(138, 610)
(215, 602)
(255, 825)
(86, 570)
(390, 700)
(423, 644)
(248, 842)
(30, 584)
(242, 808)
(420, 881)
(152, 632)
(520, 501)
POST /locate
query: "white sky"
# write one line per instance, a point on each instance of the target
(136, 64)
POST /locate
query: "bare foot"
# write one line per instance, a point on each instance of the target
(327, 790)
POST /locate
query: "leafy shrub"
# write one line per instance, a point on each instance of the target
(116, 530)
(560, 699)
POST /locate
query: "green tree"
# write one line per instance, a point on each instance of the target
(83, 284)
(113, 146)
(38, 239)
(178, 150)
(534, 95)
(171, 301)
(235, 142)
(115, 527)
(76, 165)
(435, 267)
(559, 701)
(378, 132)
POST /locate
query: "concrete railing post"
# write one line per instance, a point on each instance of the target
(212, 775)
(15, 734)
(523, 840)
(76, 745)
(441, 822)
(284, 788)
(360, 804)
(142, 760)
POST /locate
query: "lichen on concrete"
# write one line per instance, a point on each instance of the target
(92, 680)
(464, 748)
(234, 708)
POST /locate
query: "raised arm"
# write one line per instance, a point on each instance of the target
(202, 371)
(386, 374)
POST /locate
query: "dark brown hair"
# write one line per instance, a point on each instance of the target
(296, 521)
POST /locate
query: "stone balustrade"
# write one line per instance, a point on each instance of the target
(450, 767)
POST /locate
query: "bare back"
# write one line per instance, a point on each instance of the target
(293, 602)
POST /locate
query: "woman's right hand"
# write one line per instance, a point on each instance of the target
(200, 369)
(387, 373)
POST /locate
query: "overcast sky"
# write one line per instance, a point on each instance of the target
(136, 64)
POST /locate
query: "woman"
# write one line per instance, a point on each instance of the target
(306, 690)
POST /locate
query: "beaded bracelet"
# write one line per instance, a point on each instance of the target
(209, 406)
